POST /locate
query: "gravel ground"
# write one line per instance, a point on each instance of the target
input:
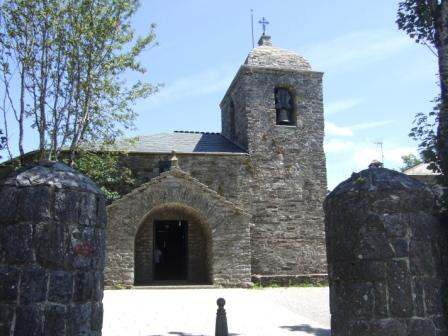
(192, 312)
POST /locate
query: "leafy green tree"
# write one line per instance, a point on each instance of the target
(426, 21)
(105, 169)
(409, 161)
(62, 64)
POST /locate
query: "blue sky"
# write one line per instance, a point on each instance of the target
(376, 79)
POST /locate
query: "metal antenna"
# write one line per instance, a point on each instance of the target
(252, 25)
(379, 143)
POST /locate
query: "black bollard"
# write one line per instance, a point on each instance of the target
(221, 319)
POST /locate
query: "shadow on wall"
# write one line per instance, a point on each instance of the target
(308, 329)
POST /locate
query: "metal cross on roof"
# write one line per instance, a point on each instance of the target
(263, 22)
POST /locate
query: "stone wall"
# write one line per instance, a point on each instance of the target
(52, 237)
(228, 174)
(386, 255)
(433, 182)
(282, 185)
(224, 226)
(289, 183)
(238, 100)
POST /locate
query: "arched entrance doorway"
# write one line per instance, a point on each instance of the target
(173, 244)
(218, 242)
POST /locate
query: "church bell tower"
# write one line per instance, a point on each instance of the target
(274, 110)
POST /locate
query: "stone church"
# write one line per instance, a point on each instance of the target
(233, 207)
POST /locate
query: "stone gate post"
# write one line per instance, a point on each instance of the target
(52, 224)
(385, 257)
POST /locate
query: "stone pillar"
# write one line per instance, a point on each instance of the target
(384, 257)
(52, 242)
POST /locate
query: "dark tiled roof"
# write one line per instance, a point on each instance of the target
(181, 142)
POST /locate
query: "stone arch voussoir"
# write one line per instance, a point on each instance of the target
(227, 225)
(199, 243)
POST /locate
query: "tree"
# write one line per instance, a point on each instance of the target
(105, 170)
(67, 60)
(409, 161)
(426, 21)
(2, 141)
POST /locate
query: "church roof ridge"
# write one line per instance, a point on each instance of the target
(181, 142)
(197, 132)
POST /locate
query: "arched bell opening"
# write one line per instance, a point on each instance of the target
(284, 107)
(173, 244)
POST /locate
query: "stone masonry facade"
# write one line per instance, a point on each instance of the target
(260, 191)
(52, 244)
(289, 182)
(387, 257)
(223, 227)
(229, 175)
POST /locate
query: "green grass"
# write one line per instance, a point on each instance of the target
(308, 285)
(119, 286)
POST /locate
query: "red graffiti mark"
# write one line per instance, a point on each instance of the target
(84, 250)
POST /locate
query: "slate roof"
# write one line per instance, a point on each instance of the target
(420, 169)
(272, 57)
(181, 142)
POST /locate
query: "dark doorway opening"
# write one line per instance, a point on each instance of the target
(170, 255)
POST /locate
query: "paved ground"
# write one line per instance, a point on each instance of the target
(192, 312)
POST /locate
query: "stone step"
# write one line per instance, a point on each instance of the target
(168, 285)
(176, 287)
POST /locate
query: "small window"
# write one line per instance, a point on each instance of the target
(164, 166)
(284, 107)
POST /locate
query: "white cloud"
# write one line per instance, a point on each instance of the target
(196, 85)
(338, 146)
(372, 124)
(345, 157)
(364, 155)
(357, 48)
(332, 129)
(340, 105)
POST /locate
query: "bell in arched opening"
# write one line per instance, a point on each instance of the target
(284, 107)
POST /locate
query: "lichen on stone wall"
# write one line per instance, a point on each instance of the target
(386, 255)
(52, 244)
